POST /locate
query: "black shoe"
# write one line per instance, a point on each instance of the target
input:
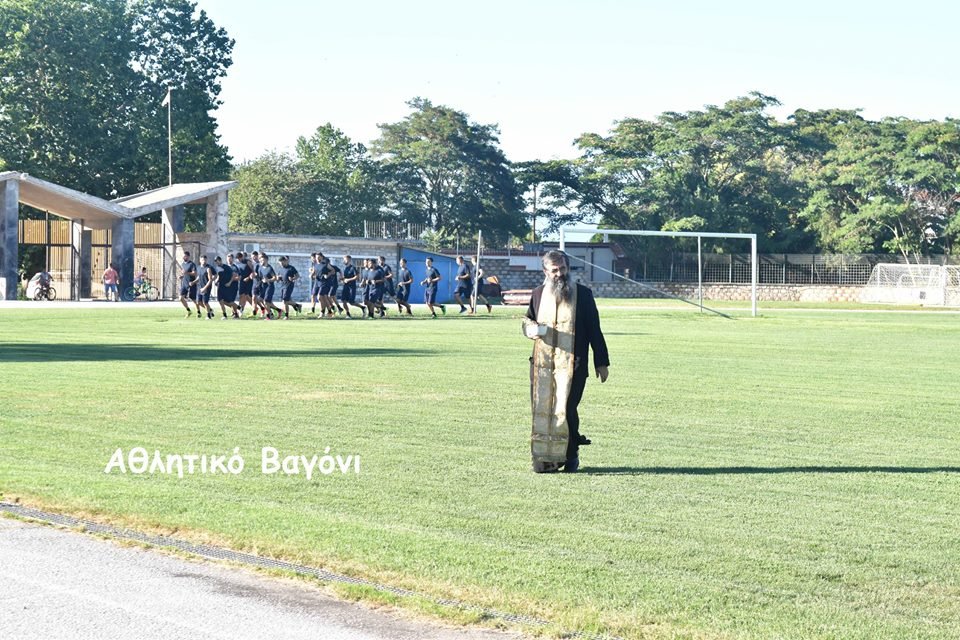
(443, 308)
(583, 440)
(572, 465)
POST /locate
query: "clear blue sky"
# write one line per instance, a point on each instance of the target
(547, 71)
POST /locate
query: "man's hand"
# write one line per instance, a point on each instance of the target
(602, 373)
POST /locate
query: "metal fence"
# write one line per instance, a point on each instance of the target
(73, 277)
(835, 269)
(393, 230)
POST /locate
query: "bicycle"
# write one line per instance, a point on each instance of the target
(49, 294)
(145, 291)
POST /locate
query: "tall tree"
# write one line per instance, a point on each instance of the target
(67, 93)
(81, 84)
(274, 195)
(880, 186)
(346, 180)
(720, 169)
(179, 46)
(550, 192)
(450, 173)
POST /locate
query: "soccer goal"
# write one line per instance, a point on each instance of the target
(699, 235)
(922, 284)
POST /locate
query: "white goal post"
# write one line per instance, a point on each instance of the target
(919, 284)
(699, 235)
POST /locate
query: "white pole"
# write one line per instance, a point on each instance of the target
(755, 270)
(699, 274)
(169, 137)
(476, 273)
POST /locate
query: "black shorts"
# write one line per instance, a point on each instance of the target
(375, 294)
(464, 292)
(188, 291)
(315, 288)
(203, 296)
(430, 296)
(267, 294)
(402, 294)
(246, 288)
(348, 293)
(286, 294)
(326, 287)
(227, 294)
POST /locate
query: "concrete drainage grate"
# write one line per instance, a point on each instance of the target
(216, 553)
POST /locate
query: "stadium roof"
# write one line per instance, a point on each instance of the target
(97, 213)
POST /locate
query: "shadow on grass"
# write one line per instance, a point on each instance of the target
(32, 352)
(718, 471)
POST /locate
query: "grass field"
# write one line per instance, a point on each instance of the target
(790, 476)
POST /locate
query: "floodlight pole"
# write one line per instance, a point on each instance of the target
(169, 102)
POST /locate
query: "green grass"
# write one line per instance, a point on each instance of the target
(790, 476)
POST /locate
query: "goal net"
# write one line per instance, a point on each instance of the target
(920, 284)
(697, 238)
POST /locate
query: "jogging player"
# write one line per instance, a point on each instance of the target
(205, 278)
(245, 271)
(431, 282)
(188, 285)
(464, 285)
(348, 294)
(228, 283)
(288, 275)
(480, 282)
(404, 282)
(268, 283)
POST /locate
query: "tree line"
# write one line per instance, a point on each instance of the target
(80, 90)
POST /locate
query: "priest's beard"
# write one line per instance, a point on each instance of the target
(559, 286)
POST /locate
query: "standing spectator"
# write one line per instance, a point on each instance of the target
(111, 283)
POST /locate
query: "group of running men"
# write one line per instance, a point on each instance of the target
(252, 281)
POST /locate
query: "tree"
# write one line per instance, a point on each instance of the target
(274, 195)
(448, 172)
(67, 93)
(721, 169)
(890, 185)
(346, 180)
(550, 193)
(177, 46)
(81, 84)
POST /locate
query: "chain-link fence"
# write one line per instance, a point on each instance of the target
(733, 268)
